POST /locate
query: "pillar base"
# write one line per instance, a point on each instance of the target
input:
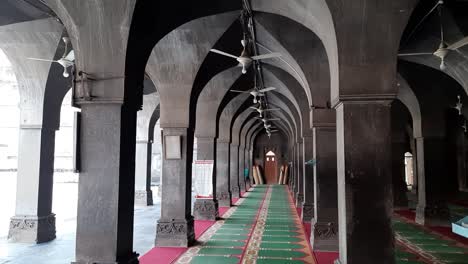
(206, 209)
(247, 184)
(299, 199)
(325, 237)
(32, 229)
(143, 197)
(175, 233)
(235, 192)
(242, 187)
(224, 199)
(133, 259)
(438, 215)
(307, 213)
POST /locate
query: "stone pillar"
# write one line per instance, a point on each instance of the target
(247, 166)
(325, 232)
(234, 171)
(176, 227)
(300, 174)
(107, 179)
(242, 183)
(207, 209)
(143, 193)
(433, 189)
(308, 204)
(223, 191)
(251, 163)
(398, 175)
(293, 174)
(364, 182)
(34, 221)
(146, 121)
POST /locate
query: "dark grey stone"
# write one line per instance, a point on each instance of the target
(205, 209)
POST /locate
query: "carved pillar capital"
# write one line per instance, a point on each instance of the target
(325, 231)
(307, 212)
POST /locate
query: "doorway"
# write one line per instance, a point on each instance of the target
(271, 166)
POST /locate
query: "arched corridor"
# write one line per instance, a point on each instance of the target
(233, 131)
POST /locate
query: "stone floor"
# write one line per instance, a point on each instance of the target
(62, 249)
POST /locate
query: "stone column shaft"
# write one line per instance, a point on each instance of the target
(364, 182)
(234, 171)
(325, 234)
(106, 186)
(242, 182)
(223, 190)
(34, 221)
(433, 190)
(246, 166)
(175, 227)
(300, 174)
(293, 174)
(143, 193)
(308, 204)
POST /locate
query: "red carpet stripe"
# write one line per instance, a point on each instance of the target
(159, 255)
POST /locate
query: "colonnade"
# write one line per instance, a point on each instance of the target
(334, 99)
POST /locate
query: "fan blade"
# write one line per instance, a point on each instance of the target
(237, 91)
(267, 89)
(461, 43)
(267, 56)
(70, 56)
(223, 53)
(274, 119)
(273, 109)
(414, 54)
(36, 59)
(65, 40)
(254, 108)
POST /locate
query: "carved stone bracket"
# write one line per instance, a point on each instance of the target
(242, 185)
(205, 209)
(32, 229)
(299, 199)
(175, 233)
(325, 231)
(307, 212)
(143, 197)
(235, 192)
(224, 198)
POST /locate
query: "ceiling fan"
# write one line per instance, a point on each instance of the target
(67, 60)
(255, 92)
(443, 49)
(245, 59)
(260, 110)
(269, 132)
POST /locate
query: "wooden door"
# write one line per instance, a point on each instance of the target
(271, 167)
